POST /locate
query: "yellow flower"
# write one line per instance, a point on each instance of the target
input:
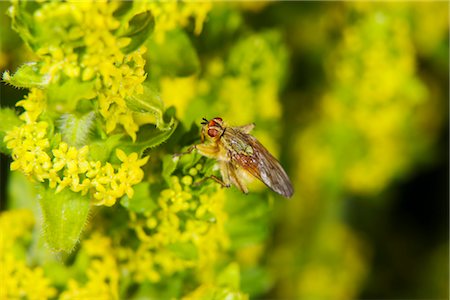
(34, 104)
(28, 144)
(17, 279)
(102, 271)
(181, 239)
(131, 166)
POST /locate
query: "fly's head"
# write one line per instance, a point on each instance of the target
(213, 128)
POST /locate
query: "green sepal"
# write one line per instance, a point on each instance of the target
(176, 56)
(9, 120)
(65, 215)
(140, 28)
(27, 76)
(141, 201)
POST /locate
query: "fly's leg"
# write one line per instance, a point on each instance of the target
(189, 150)
(224, 171)
(236, 179)
(215, 178)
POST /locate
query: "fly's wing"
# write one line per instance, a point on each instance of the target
(247, 152)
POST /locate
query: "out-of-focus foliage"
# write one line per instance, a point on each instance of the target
(350, 96)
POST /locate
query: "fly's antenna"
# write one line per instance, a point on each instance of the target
(204, 121)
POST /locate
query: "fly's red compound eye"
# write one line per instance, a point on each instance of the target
(215, 122)
(212, 132)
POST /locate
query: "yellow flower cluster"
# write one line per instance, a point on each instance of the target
(29, 144)
(170, 15)
(34, 104)
(91, 25)
(70, 166)
(366, 118)
(15, 276)
(185, 232)
(102, 273)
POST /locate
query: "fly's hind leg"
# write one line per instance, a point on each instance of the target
(236, 179)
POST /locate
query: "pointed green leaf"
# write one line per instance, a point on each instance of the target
(21, 13)
(148, 137)
(140, 28)
(65, 215)
(149, 102)
(27, 76)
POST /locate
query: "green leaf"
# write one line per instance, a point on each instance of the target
(75, 129)
(149, 102)
(141, 201)
(27, 76)
(64, 97)
(148, 137)
(140, 28)
(65, 215)
(9, 120)
(176, 56)
(21, 13)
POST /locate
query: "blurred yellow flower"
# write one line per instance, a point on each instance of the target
(15, 275)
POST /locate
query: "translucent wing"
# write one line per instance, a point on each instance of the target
(247, 152)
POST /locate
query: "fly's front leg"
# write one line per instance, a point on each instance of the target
(189, 150)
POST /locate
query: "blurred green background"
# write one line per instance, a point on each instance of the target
(363, 134)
